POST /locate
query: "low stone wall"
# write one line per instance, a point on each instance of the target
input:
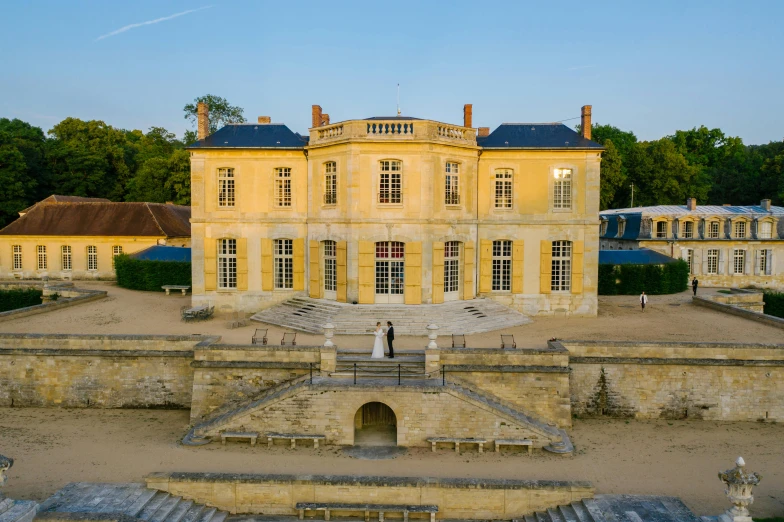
(111, 371)
(751, 300)
(470, 498)
(712, 381)
(770, 320)
(67, 296)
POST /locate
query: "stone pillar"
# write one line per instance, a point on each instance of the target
(738, 485)
(329, 358)
(432, 353)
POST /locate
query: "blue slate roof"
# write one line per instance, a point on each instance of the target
(163, 253)
(632, 230)
(701, 210)
(642, 256)
(253, 136)
(535, 136)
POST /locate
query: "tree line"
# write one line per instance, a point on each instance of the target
(94, 159)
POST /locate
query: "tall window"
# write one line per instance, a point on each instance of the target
(688, 229)
(41, 257)
(452, 184)
(451, 266)
(502, 265)
(763, 261)
(503, 188)
(561, 275)
(713, 230)
(227, 263)
(562, 189)
(92, 257)
(225, 187)
(713, 261)
(116, 251)
(283, 187)
(661, 229)
(690, 259)
(766, 230)
(17, 250)
(330, 267)
(738, 260)
(284, 264)
(330, 183)
(740, 229)
(66, 259)
(390, 182)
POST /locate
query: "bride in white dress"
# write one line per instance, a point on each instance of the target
(378, 344)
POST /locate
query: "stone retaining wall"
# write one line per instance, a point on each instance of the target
(67, 296)
(712, 381)
(477, 499)
(731, 309)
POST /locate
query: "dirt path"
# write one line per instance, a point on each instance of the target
(53, 447)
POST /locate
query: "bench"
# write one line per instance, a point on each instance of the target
(260, 337)
(294, 437)
(507, 342)
(457, 441)
(458, 341)
(169, 288)
(513, 442)
(326, 507)
(252, 435)
(289, 339)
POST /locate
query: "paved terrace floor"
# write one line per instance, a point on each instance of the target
(667, 318)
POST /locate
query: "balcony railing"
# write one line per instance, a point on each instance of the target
(393, 129)
(386, 128)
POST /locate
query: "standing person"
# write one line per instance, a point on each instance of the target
(643, 300)
(378, 344)
(694, 284)
(390, 338)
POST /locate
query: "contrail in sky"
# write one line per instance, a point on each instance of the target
(150, 22)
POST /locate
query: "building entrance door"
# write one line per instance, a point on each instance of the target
(452, 280)
(330, 270)
(390, 272)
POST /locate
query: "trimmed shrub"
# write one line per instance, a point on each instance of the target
(13, 299)
(138, 274)
(774, 303)
(653, 279)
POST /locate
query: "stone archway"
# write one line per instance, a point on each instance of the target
(375, 424)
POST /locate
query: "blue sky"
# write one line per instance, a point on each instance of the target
(649, 67)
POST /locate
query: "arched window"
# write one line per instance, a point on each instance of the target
(503, 188)
(713, 230)
(283, 187)
(330, 183)
(225, 187)
(227, 263)
(561, 275)
(688, 229)
(766, 230)
(739, 230)
(390, 182)
(562, 189)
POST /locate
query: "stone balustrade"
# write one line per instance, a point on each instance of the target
(393, 129)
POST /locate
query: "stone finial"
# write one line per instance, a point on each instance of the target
(738, 486)
(329, 331)
(5, 464)
(432, 334)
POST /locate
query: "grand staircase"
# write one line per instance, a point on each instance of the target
(132, 500)
(17, 510)
(410, 365)
(459, 317)
(617, 508)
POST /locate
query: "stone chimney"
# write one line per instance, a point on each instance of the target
(324, 119)
(203, 127)
(691, 204)
(316, 115)
(265, 120)
(468, 115)
(765, 204)
(727, 205)
(585, 122)
(484, 131)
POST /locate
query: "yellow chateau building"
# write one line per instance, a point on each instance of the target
(396, 210)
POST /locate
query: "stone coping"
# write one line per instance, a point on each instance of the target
(69, 352)
(54, 516)
(669, 344)
(261, 347)
(674, 362)
(113, 337)
(255, 365)
(84, 296)
(369, 480)
(770, 320)
(552, 348)
(504, 368)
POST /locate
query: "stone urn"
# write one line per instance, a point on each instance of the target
(329, 332)
(432, 334)
(738, 484)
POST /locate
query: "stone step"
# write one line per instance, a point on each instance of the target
(580, 511)
(162, 513)
(20, 511)
(568, 514)
(153, 505)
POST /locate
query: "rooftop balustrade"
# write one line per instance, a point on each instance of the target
(393, 130)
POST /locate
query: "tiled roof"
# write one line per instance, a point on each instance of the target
(643, 256)
(701, 210)
(102, 219)
(535, 136)
(252, 136)
(54, 198)
(164, 253)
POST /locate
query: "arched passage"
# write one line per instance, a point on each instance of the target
(375, 424)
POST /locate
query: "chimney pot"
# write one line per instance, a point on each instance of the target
(727, 205)
(691, 204)
(316, 115)
(484, 131)
(264, 120)
(170, 202)
(765, 204)
(585, 122)
(468, 115)
(203, 119)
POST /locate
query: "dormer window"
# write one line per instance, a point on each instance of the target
(713, 230)
(688, 229)
(766, 230)
(740, 229)
(661, 229)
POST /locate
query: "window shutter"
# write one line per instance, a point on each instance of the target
(697, 261)
(518, 255)
(701, 228)
(545, 266)
(469, 255)
(413, 271)
(578, 261)
(747, 262)
(341, 263)
(704, 253)
(242, 263)
(299, 264)
(769, 263)
(438, 272)
(267, 280)
(210, 264)
(756, 262)
(754, 228)
(722, 258)
(367, 272)
(485, 265)
(684, 255)
(314, 279)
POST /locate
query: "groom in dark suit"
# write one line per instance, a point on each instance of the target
(390, 338)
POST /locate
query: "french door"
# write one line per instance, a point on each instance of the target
(330, 270)
(390, 272)
(452, 280)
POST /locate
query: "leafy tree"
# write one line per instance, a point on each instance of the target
(221, 114)
(16, 186)
(612, 177)
(162, 179)
(179, 182)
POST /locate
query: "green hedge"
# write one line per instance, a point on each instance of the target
(774, 303)
(139, 274)
(653, 279)
(13, 299)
